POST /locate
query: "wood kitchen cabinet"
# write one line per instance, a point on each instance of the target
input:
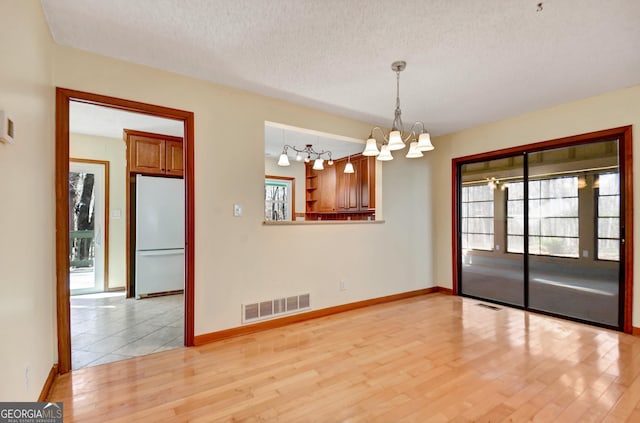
(335, 195)
(320, 189)
(173, 158)
(367, 182)
(346, 187)
(356, 191)
(311, 187)
(154, 154)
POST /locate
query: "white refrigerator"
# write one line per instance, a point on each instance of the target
(160, 231)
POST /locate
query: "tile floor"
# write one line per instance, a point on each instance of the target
(109, 327)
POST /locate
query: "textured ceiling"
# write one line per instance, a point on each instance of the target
(469, 62)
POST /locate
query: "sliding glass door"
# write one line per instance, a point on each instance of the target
(487, 271)
(543, 230)
(574, 232)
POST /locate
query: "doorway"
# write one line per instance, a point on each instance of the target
(88, 226)
(63, 99)
(548, 228)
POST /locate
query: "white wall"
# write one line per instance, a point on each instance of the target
(27, 199)
(294, 170)
(114, 151)
(238, 259)
(614, 109)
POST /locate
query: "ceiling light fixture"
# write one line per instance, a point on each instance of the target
(397, 138)
(310, 154)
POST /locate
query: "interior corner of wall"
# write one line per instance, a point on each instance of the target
(379, 177)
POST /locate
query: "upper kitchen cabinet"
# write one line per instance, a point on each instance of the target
(356, 191)
(173, 157)
(335, 195)
(366, 182)
(154, 154)
(321, 186)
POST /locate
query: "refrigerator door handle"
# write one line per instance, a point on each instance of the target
(161, 252)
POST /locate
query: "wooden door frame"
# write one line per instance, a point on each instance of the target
(104, 163)
(63, 97)
(624, 135)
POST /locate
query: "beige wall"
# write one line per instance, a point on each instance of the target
(610, 110)
(294, 170)
(114, 151)
(238, 259)
(27, 254)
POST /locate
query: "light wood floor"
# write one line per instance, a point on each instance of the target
(435, 358)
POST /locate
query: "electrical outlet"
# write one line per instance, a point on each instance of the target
(343, 285)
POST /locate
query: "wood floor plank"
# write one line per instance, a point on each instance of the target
(435, 358)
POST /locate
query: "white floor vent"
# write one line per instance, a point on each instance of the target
(270, 309)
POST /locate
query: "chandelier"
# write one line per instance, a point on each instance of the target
(397, 138)
(307, 154)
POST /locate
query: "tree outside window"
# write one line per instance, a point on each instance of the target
(278, 199)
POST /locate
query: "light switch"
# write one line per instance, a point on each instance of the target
(237, 210)
(116, 214)
(585, 253)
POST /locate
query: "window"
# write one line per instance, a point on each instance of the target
(608, 217)
(477, 217)
(553, 217)
(278, 199)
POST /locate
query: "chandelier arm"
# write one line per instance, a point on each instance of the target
(412, 133)
(310, 151)
(295, 149)
(320, 153)
(302, 150)
(418, 123)
(384, 137)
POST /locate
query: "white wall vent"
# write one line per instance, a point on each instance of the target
(277, 307)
